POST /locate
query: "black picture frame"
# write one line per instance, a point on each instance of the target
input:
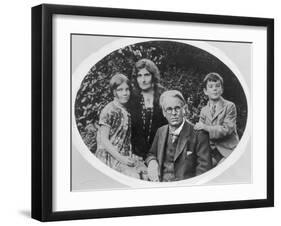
(42, 108)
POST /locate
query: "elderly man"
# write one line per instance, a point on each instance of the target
(178, 151)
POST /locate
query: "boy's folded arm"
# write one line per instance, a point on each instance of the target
(227, 127)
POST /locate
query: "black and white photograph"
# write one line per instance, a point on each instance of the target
(141, 112)
(159, 112)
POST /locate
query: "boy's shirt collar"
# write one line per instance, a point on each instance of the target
(219, 106)
(218, 103)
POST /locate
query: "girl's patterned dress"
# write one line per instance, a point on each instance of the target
(116, 117)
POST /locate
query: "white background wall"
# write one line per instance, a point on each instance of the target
(15, 94)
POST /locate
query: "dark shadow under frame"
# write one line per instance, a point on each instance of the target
(41, 208)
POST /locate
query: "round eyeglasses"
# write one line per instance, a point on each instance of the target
(169, 110)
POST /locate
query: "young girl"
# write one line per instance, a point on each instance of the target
(114, 136)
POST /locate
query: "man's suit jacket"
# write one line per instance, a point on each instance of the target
(223, 133)
(192, 156)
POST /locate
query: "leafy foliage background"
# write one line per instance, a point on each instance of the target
(182, 67)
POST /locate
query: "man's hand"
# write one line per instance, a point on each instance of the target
(153, 171)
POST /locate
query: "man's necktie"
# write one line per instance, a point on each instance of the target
(213, 110)
(174, 137)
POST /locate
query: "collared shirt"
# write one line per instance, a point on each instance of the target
(175, 135)
(214, 107)
(178, 130)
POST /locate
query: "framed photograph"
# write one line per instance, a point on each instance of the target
(147, 112)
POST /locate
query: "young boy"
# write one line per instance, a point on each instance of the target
(218, 118)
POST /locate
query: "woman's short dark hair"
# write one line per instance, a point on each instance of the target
(150, 66)
(117, 80)
(213, 76)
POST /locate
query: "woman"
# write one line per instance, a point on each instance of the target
(145, 110)
(114, 136)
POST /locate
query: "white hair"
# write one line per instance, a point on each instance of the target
(171, 93)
